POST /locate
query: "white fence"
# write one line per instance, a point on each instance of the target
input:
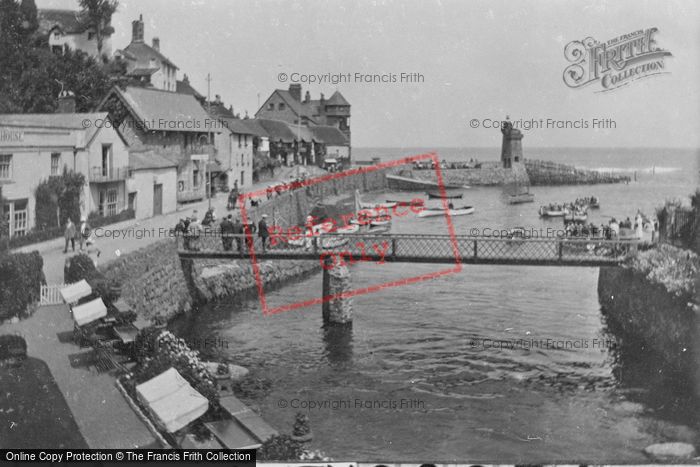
(50, 294)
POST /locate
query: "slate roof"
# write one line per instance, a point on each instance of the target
(337, 99)
(144, 160)
(144, 53)
(164, 110)
(184, 87)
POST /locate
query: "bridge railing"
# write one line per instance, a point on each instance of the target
(415, 248)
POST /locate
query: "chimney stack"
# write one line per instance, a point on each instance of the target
(66, 103)
(137, 30)
(156, 44)
(217, 99)
(307, 97)
(295, 91)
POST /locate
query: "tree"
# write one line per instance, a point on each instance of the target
(29, 16)
(98, 15)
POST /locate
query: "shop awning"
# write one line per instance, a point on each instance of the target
(75, 292)
(89, 312)
(171, 400)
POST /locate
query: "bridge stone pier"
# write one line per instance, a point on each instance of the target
(336, 281)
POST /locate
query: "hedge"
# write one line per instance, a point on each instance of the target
(21, 277)
(95, 220)
(34, 236)
(79, 267)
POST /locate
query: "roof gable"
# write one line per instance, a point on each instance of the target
(68, 21)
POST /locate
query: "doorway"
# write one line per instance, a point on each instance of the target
(158, 199)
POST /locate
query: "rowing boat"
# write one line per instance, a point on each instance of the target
(432, 212)
(448, 195)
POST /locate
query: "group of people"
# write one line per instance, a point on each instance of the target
(82, 233)
(641, 228)
(230, 228)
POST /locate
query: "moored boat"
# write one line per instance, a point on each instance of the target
(432, 212)
(552, 212)
(448, 195)
(521, 198)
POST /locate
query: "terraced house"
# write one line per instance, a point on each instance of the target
(34, 147)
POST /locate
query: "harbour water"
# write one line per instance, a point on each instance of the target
(492, 363)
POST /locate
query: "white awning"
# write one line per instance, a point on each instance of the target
(89, 312)
(75, 292)
(171, 400)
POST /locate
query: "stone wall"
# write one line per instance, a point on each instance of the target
(153, 282)
(215, 279)
(490, 173)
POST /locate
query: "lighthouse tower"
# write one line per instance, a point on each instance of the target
(511, 148)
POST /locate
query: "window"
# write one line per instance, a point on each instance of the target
(280, 106)
(106, 160)
(57, 49)
(239, 140)
(112, 202)
(195, 176)
(56, 34)
(55, 162)
(91, 35)
(242, 161)
(19, 218)
(242, 177)
(245, 140)
(5, 166)
(270, 106)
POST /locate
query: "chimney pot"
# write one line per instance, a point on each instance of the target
(66, 103)
(307, 96)
(295, 91)
(137, 30)
(156, 44)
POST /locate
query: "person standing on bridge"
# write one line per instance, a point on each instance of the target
(263, 232)
(238, 231)
(226, 232)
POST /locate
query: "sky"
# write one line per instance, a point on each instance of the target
(480, 60)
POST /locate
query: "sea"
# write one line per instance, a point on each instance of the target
(494, 363)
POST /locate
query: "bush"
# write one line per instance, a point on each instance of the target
(81, 267)
(21, 277)
(157, 350)
(12, 348)
(95, 220)
(34, 236)
(57, 199)
(280, 448)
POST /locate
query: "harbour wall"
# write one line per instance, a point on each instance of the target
(155, 284)
(649, 318)
(490, 173)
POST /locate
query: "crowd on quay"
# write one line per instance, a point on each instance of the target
(642, 227)
(430, 164)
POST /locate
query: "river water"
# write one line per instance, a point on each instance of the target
(442, 369)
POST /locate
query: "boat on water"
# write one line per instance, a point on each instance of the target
(550, 212)
(432, 212)
(521, 198)
(399, 203)
(576, 216)
(448, 195)
(386, 205)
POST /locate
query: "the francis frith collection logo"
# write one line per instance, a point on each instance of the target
(616, 62)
